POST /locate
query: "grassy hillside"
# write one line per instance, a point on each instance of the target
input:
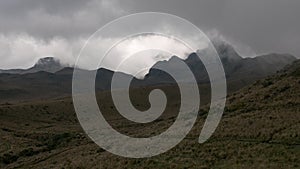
(260, 129)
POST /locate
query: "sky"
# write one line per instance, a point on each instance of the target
(33, 29)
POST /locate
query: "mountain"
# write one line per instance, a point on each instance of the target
(238, 70)
(48, 64)
(48, 79)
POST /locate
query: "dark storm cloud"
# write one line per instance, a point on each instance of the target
(46, 19)
(30, 29)
(264, 25)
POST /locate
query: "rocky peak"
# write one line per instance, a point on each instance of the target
(47, 64)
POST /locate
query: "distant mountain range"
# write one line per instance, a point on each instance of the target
(48, 64)
(236, 68)
(48, 78)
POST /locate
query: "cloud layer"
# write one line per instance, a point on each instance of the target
(33, 29)
(24, 50)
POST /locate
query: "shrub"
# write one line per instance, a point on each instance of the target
(267, 83)
(8, 158)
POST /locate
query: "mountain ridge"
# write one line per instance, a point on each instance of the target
(42, 84)
(47, 64)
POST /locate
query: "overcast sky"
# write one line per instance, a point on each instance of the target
(31, 29)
